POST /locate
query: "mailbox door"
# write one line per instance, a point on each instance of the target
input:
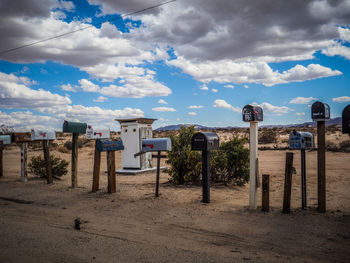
(346, 120)
(259, 113)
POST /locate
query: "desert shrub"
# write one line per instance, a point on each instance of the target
(344, 145)
(58, 166)
(267, 136)
(63, 149)
(184, 164)
(229, 164)
(81, 142)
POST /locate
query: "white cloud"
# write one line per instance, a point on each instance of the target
(341, 99)
(223, 104)
(229, 86)
(88, 86)
(204, 87)
(192, 113)
(68, 87)
(214, 90)
(277, 110)
(300, 113)
(163, 109)
(195, 107)
(246, 86)
(100, 99)
(302, 100)
(161, 101)
(337, 49)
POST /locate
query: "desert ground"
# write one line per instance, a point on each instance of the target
(131, 225)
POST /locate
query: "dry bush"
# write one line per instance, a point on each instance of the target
(345, 145)
(63, 149)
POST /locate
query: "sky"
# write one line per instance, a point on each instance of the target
(186, 61)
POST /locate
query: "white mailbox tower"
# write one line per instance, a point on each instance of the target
(132, 132)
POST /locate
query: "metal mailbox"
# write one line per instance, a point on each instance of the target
(5, 139)
(301, 140)
(74, 127)
(42, 135)
(97, 134)
(156, 144)
(109, 145)
(346, 120)
(21, 137)
(252, 113)
(205, 141)
(320, 111)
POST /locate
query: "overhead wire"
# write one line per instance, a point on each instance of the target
(84, 28)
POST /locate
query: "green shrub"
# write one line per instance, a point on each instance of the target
(267, 136)
(228, 165)
(58, 166)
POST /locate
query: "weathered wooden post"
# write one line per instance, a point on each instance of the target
(320, 112)
(22, 138)
(4, 140)
(265, 193)
(253, 114)
(205, 142)
(155, 145)
(92, 134)
(288, 182)
(110, 147)
(75, 128)
(302, 141)
(45, 136)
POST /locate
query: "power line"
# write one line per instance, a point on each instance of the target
(83, 28)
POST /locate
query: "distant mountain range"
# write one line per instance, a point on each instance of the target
(334, 121)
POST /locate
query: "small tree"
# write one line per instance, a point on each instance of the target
(58, 166)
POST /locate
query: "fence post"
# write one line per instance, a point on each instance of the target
(265, 192)
(75, 160)
(96, 173)
(111, 171)
(321, 166)
(24, 147)
(46, 149)
(288, 182)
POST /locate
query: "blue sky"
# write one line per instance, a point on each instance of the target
(196, 61)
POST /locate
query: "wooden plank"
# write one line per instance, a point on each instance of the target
(111, 171)
(46, 149)
(75, 160)
(265, 193)
(288, 182)
(321, 166)
(253, 148)
(96, 173)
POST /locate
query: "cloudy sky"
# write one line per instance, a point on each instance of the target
(187, 61)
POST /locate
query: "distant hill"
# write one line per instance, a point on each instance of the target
(334, 121)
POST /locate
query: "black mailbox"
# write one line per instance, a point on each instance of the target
(252, 113)
(320, 111)
(205, 141)
(346, 120)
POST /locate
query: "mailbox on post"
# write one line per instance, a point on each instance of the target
(5, 139)
(156, 144)
(74, 127)
(21, 137)
(205, 142)
(91, 133)
(109, 145)
(320, 111)
(346, 120)
(42, 135)
(302, 141)
(252, 113)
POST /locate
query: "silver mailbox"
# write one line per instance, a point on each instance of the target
(5, 139)
(42, 135)
(301, 140)
(156, 144)
(91, 133)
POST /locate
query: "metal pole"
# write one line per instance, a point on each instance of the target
(205, 176)
(321, 166)
(253, 148)
(158, 171)
(303, 180)
(75, 160)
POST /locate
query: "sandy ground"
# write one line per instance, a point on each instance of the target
(36, 219)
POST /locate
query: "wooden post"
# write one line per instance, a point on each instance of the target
(46, 149)
(96, 173)
(75, 160)
(265, 193)
(288, 182)
(206, 176)
(158, 172)
(253, 148)
(303, 179)
(111, 171)
(321, 166)
(24, 176)
(1, 159)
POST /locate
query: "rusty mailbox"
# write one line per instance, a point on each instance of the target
(21, 137)
(252, 113)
